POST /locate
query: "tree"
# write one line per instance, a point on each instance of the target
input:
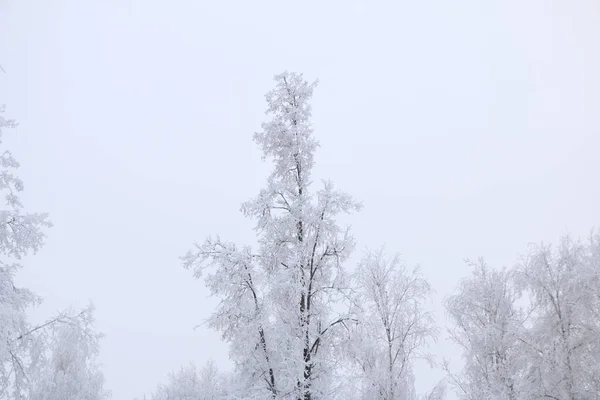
(189, 383)
(25, 349)
(69, 369)
(20, 234)
(276, 307)
(564, 337)
(393, 327)
(488, 328)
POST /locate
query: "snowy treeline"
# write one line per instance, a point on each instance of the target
(301, 324)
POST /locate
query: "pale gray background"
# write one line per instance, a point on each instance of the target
(467, 127)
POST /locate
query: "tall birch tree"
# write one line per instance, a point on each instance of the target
(277, 302)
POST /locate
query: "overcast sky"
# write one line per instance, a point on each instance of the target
(468, 128)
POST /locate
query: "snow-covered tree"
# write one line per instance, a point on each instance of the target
(26, 349)
(277, 303)
(393, 330)
(69, 369)
(564, 336)
(549, 351)
(488, 328)
(20, 233)
(188, 383)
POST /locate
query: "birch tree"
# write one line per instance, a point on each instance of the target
(189, 383)
(276, 308)
(394, 327)
(26, 349)
(564, 336)
(20, 234)
(487, 325)
(69, 367)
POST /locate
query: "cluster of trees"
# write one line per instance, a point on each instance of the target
(53, 360)
(301, 325)
(533, 331)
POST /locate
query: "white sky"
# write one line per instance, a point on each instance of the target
(468, 128)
